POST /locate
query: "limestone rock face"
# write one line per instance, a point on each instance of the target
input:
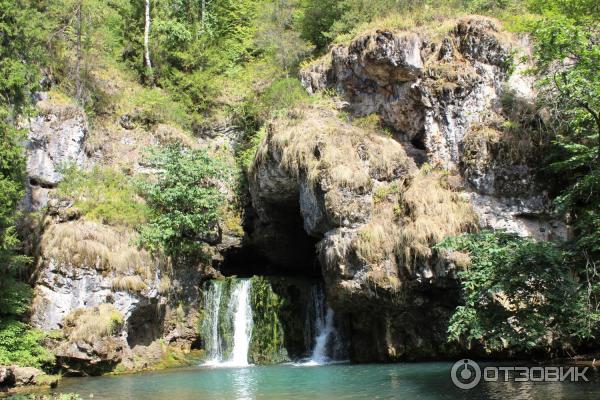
(448, 100)
(358, 193)
(56, 139)
(375, 216)
(83, 265)
(69, 278)
(429, 92)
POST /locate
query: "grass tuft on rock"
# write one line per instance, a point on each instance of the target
(93, 323)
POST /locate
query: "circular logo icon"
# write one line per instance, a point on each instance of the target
(465, 374)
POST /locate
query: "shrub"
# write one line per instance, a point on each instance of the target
(15, 296)
(185, 200)
(518, 293)
(19, 344)
(284, 94)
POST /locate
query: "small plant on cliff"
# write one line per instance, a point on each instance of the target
(184, 197)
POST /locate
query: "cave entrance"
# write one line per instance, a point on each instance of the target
(278, 248)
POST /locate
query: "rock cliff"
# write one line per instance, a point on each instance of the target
(377, 204)
(82, 264)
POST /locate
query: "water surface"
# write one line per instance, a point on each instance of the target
(340, 381)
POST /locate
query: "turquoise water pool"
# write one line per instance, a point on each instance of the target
(339, 381)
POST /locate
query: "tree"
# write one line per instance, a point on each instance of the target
(147, 61)
(185, 201)
(567, 53)
(21, 46)
(21, 36)
(278, 20)
(518, 293)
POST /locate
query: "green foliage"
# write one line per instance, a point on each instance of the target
(20, 49)
(520, 294)
(284, 94)
(81, 34)
(191, 46)
(184, 198)
(21, 345)
(15, 296)
(281, 20)
(567, 52)
(104, 195)
(12, 178)
(326, 21)
(21, 37)
(154, 106)
(319, 17)
(246, 155)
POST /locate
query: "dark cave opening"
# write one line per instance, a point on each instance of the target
(280, 247)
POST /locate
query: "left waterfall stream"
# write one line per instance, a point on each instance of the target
(228, 323)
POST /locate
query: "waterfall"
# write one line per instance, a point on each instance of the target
(325, 330)
(242, 324)
(227, 308)
(322, 328)
(212, 301)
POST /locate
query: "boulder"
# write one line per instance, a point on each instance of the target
(82, 358)
(26, 376)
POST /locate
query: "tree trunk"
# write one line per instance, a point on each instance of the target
(78, 84)
(202, 17)
(147, 61)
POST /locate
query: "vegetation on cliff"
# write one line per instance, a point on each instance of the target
(184, 198)
(521, 294)
(20, 53)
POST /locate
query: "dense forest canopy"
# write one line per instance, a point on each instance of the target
(206, 63)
